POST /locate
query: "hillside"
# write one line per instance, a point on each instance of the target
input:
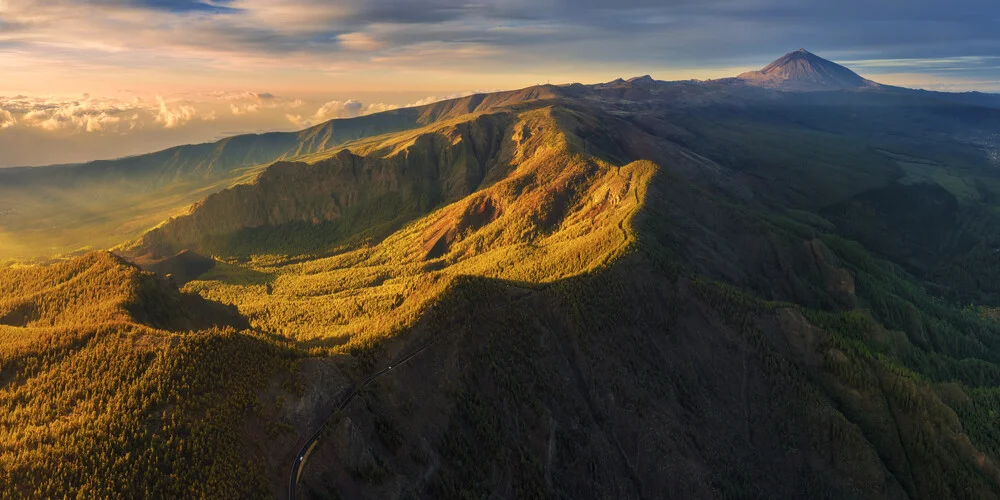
(543, 214)
(102, 288)
(816, 324)
(637, 289)
(46, 211)
(108, 368)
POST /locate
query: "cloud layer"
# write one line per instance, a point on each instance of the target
(119, 117)
(95, 115)
(37, 130)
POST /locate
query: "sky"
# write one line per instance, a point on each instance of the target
(91, 79)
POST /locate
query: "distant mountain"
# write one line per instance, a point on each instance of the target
(804, 71)
(642, 80)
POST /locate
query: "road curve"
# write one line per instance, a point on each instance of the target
(349, 394)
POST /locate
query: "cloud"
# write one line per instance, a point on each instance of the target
(175, 5)
(432, 99)
(346, 109)
(298, 121)
(128, 114)
(462, 37)
(51, 114)
(379, 107)
(360, 42)
(6, 119)
(122, 115)
(171, 116)
(252, 102)
(258, 97)
(330, 110)
(339, 109)
(242, 109)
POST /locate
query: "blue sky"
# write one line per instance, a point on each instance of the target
(179, 6)
(168, 70)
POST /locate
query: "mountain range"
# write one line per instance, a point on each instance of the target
(778, 285)
(65, 209)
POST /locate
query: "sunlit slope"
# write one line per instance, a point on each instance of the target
(492, 193)
(360, 192)
(56, 210)
(100, 288)
(111, 388)
(541, 210)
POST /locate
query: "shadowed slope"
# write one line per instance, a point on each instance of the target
(360, 191)
(634, 368)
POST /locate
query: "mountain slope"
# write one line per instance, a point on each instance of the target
(102, 288)
(604, 297)
(47, 211)
(535, 398)
(633, 288)
(803, 71)
(411, 180)
(542, 213)
(108, 371)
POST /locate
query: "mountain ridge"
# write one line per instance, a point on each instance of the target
(711, 279)
(325, 135)
(599, 253)
(129, 196)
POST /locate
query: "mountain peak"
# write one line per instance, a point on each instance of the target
(802, 70)
(643, 78)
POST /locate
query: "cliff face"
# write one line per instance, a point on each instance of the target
(101, 204)
(359, 191)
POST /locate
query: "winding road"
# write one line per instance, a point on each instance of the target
(349, 394)
(298, 462)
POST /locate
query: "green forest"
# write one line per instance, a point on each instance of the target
(611, 291)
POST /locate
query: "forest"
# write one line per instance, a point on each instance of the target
(611, 298)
